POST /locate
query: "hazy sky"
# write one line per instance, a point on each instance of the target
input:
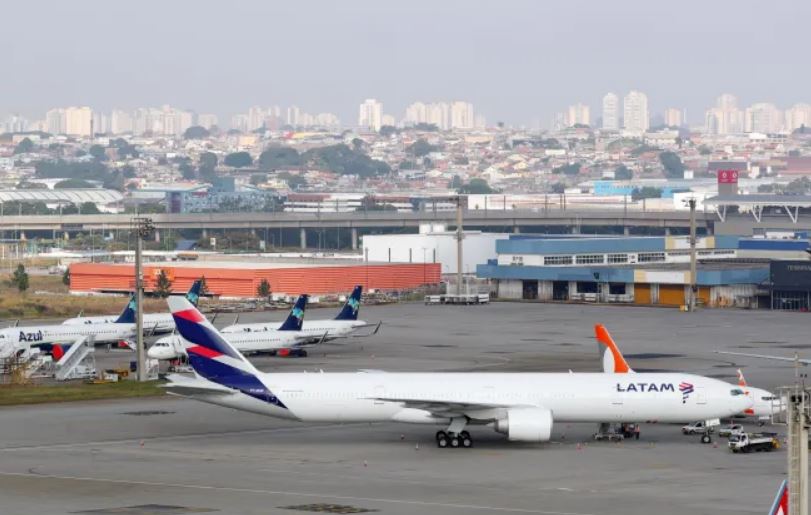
(517, 61)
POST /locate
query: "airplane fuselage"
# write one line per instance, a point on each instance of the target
(314, 328)
(23, 337)
(155, 322)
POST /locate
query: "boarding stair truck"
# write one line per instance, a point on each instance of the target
(79, 361)
(757, 442)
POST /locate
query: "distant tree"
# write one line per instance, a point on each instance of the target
(765, 188)
(98, 153)
(456, 183)
(704, 150)
(79, 153)
(799, 186)
(623, 173)
(357, 144)
(461, 160)
(476, 186)
(66, 277)
(238, 160)
(568, 169)
(426, 127)
(388, 130)
(408, 165)
(24, 185)
(196, 132)
(294, 182)
(203, 286)
(20, 278)
(128, 172)
(674, 168)
(208, 160)
(69, 184)
(275, 158)
(187, 171)
(89, 208)
(646, 192)
(263, 289)
(24, 146)
(421, 148)
(163, 286)
(258, 178)
(114, 181)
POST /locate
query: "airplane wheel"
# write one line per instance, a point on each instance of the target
(706, 439)
(442, 440)
(465, 440)
(455, 443)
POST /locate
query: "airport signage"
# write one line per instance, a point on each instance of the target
(790, 275)
(728, 176)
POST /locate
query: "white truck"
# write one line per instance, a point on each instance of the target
(757, 442)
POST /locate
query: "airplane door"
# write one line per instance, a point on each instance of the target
(701, 395)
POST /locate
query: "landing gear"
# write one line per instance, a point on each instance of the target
(455, 437)
(706, 438)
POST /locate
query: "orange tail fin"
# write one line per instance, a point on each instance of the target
(613, 362)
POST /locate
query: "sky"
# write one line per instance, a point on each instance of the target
(517, 61)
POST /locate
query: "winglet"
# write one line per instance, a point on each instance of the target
(350, 309)
(295, 320)
(741, 379)
(610, 355)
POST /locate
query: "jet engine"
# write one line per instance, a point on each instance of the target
(526, 425)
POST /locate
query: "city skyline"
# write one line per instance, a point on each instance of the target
(345, 53)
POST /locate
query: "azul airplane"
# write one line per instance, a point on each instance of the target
(153, 322)
(764, 403)
(523, 406)
(341, 326)
(18, 340)
(285, 340)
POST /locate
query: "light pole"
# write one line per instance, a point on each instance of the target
(691, 301)
(424, 281)
(143, 229)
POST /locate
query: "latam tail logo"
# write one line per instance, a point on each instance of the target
(686, 389)
(780, 504)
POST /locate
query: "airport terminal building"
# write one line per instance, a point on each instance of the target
(732, 271)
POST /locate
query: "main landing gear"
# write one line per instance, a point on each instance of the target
(455, 436)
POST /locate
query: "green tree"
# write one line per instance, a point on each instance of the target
(704, 150)
(426, 127)
(128, 172)
(275, 158)
(31, 186)
(294, 182)
(163, 286)
(98, 153)
(476, 186)
(66, 277)
(20, 278)
(24, 146)
(456, 183)
(421, 148)
(196, 132)
(674, 168)
(568, 169)
(89, 208)
(263, 289)
(258, 178)
(187, 171)
(623, 173)
(345, 161)
(238, 160)
(69, 184)
(208, 161)
(646, 192)
(387, 130)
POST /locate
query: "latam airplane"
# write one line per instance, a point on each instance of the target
(341, 326)
(156, 323)
(764, 403)
(285, 340)
(523, 406)
(17, 341)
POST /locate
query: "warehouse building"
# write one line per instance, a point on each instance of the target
(240, 279)
(732, 271)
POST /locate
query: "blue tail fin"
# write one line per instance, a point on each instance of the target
(350, 309)
(193, 295)
(128, 315)
(295, 319)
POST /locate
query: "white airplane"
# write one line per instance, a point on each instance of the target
(18, 341)
(524, 406)
(764, 403)
(153, 322)
(286, 340)
(342, 326)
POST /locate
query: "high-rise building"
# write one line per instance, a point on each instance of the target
(415, 113)
(101, 123)
(635, 112)
(239, 122)
(438, 113)
(388, 119)
(55, 121)
(14, 123)
(256, 118)
(327, 120)
(673, 117)
(763, 117)
(578, 114)
(293, 114)
(611, 112)
(370, 115)
(207, 120)
(725, 117)
(120, 122)
(462, 115)
(797, 116)
(78, 121)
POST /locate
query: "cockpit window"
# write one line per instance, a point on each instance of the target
(736, 391)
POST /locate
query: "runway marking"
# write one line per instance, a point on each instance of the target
(291, 494)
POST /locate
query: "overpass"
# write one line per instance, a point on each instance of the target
(567, 220)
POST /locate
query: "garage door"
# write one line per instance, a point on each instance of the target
(641, 293)
(704, 295)
(671, 294)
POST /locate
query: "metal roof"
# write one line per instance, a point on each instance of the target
(75, 196)
(760, 200)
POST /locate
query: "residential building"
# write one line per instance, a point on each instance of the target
(55, 121)
(293, 114)
(611, 116)
(371, 115)
(797, 116)
(415, 113)
(120, 122)
(673, 117)
(725, 117)
(462, 115)
(636, 117)
(763, 118)
(78, 121)
(207, 120)
(578, 114)
(438, 113)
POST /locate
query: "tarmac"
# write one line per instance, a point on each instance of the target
(169, 455)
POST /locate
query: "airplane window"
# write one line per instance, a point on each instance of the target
(736, 391)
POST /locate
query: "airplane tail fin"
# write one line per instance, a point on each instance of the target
(780, 504)
(610, 355)
(295, 320)
(350, 309)
(741, 379)
(128, 315)
(193, 295)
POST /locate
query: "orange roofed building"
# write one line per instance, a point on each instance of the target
(241, 279)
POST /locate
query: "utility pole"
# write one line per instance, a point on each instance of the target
(798, 420)
(693, 288)
(459, 236)
(143, 229)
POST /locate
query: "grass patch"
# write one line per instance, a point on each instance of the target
(12, 395)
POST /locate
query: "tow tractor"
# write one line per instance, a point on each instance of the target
(704, 428)
(758, 442)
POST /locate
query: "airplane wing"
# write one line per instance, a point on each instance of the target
(802, 361)
(444, 409)
(187, 387)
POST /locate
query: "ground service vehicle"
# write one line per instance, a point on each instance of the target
(757, 442)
